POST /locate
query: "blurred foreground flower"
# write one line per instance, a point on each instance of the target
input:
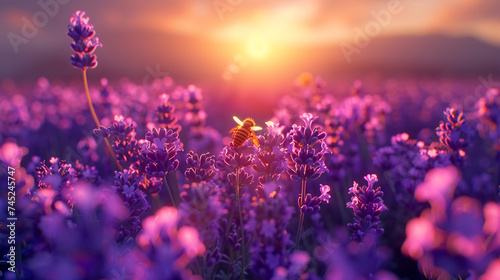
(77, 245)
(164, 249)
(348, 259)
(488, 113)
(11, 155)
(455, 236)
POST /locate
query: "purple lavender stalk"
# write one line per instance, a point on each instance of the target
(84, 44)
(271, 158)
(84, 41)
(367, 205)
(455, 134)
(126, 186)
(159, 158)
(201, 167)
(306, 162)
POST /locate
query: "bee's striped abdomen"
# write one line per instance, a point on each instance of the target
(240, 136)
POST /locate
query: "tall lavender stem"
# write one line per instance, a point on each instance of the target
(84, 44)
(169, 191)
(241, 224)
(301, 219)
(96, 119)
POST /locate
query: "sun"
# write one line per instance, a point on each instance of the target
(257, 47)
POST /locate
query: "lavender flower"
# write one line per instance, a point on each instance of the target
(306, 150)
(201, 168)
(325, 189)
(296, 268)
(354, 129)
(455, 134)
(201, 208)
(158, 161)
(228, 161)
(268, 220)
(84, 43)
(72, 246)
(58, 176)
(231, 164)
(306, 161)
(200, 138)
(126, 186)
(233, 238)
(488, 113)
(312, 204)
(311, 89)
(367, 205)
(404, 161)
(454, 235)
(240, 157)
(271, 157)
(86, 173)
(347, 259)
(87, 147)
(165, 115)
(195, 117)
(159, 152)
(11, 154)
(334, 131)
(122, 135)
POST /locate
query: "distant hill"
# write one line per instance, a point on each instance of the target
(429, 54)
(402, 55)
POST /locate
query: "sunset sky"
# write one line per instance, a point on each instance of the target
(228, 39)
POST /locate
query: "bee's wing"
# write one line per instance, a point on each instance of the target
(238, 121)
(256, 128)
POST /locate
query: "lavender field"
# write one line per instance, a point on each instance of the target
(389, 178)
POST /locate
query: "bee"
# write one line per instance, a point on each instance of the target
(243, 131)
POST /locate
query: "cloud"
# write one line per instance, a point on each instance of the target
(478, 18)
(315, 21)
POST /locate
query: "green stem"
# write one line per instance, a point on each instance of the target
(229, 223)
(301, 219)
(96, 120)
(339, 197)
(241, 224)
(388, 178)
(172, 181)
(223, 246)
(169, 191)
